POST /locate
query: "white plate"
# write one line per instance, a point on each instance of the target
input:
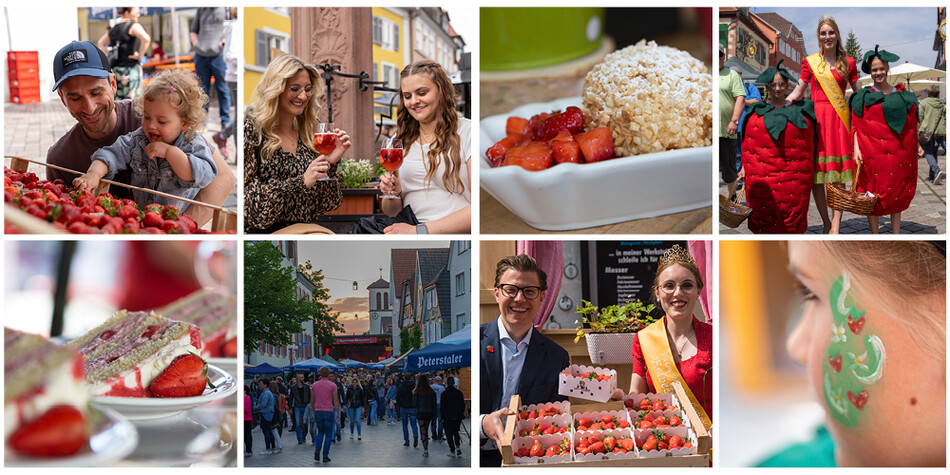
(574, 196)
(113, 437)
(138, 408)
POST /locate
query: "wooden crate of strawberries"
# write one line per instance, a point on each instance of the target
(37, 206)
(607, 434)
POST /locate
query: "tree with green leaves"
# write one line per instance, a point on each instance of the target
(325, 322)
(409, 338)
(853, 48)
(272, 313)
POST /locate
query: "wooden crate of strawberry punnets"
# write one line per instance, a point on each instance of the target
(37, 206)
(587, 382)
(586, 433)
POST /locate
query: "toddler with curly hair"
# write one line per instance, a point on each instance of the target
(167, 153)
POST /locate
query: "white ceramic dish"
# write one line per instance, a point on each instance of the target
(138, 408)
(572, 196)
(113, 437)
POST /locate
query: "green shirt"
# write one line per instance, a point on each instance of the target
(818, 452)
(730, 87)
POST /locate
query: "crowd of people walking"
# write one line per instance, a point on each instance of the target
(323, 405)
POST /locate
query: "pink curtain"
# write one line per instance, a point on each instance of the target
(702, 253)
(551, 261)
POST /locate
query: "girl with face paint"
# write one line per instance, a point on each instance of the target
(872, 339)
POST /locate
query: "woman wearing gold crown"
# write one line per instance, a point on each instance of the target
(828, 73)
(677, 347)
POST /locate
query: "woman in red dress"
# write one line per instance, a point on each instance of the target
(684, 338)
(828, 73)
(885, 140)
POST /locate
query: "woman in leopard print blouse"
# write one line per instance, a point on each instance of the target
(281, 167)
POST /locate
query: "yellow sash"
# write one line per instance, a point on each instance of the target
(828, 84)
(662, 368)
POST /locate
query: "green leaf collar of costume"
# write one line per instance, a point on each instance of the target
(776, 118)
(896, 105)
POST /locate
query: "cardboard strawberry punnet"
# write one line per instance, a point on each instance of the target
(778, 159)
(886, 129)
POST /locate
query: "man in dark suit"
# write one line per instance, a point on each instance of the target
(515, 359)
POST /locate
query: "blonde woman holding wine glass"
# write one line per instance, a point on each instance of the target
(434, 179)
(285, 186)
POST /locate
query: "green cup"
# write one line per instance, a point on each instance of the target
(522, 38)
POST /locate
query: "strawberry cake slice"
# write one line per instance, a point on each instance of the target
(215, 313)
(45, 397)
(139, 354)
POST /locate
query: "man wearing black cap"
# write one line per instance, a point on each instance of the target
(87, 88)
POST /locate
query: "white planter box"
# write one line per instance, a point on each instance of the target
(610, 348)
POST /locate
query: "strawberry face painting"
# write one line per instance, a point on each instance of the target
(855, 357)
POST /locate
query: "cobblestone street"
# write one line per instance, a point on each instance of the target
(381, 447)
(927, 213)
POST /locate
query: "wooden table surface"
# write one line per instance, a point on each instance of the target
(496, 219)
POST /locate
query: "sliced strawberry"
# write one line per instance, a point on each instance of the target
(596, 145)
(60, 431)
(532, 156)
(565, 149)
(534, 123)
(187, 376)
(496, 153)
(571, 120)
(517, 127)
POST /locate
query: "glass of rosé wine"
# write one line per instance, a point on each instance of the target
(325, 140)
(390, 157)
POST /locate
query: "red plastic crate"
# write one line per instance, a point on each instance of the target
(22, 70)
(23, 56)
(24, 95)
(25, 82)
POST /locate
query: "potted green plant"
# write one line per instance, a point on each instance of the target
(611, 329)
(359, 195)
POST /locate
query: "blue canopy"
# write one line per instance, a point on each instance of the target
(453, 351)
(314, 364)
(352, 363)
(264, 369)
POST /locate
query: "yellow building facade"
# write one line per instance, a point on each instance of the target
(390, 51)
(265, 29)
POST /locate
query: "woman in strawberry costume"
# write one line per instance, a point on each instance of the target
(827, 74)
(884, 126)
(778, 153)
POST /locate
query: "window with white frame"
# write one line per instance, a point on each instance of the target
(460, 283)
(389, 75)
(385, 33)
(265, 40)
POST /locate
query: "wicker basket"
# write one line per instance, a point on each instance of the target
(731, 213)
(842, 199)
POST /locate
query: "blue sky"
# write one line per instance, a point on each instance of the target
(345, 261)
(907, 32)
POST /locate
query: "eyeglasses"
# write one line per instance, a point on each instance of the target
(511, 291)
(777, 85)
(686, 287)
(296, 90)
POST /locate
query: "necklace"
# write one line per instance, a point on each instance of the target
(679, 350)
(426, 137)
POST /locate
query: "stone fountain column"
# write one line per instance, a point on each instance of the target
(341, 37)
